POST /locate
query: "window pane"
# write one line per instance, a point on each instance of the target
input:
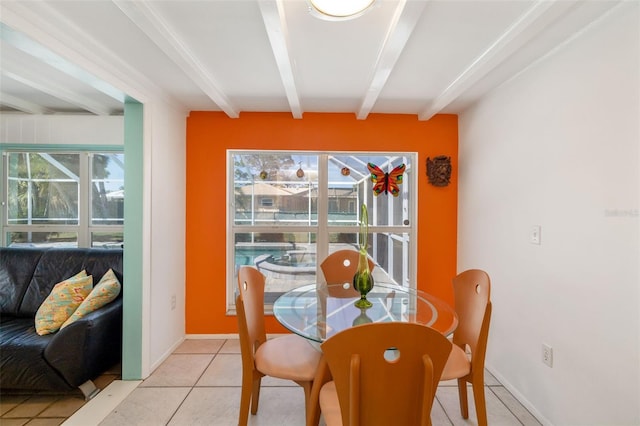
(275, 189)
(393, 255)
(287, 260)
(107, 189)
(346, 176)
(43, 188)
(351, 185)
(41, 239)
(400, 249)
(17, 205)
(112, 239)
(378, 245)
(385, 209)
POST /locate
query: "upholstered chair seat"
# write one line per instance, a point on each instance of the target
(458, 364)
(288, 357)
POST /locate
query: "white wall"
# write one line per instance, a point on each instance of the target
(558, 147)
(167, 234)
(61, 129)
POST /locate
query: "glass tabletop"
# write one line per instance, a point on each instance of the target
(314, 312)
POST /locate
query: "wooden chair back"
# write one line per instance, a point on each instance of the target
(386, 373)
(472, 292)
(339, 268)
(250, 311)
(287, 357)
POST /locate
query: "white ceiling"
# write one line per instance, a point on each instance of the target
(409, 57)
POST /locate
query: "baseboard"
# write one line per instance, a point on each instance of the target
(165, 356)
(517, 395)
(225, 336)
(212, 336)
(195, 337)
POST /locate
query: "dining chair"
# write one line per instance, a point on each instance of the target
(339, 268)
(471, 290)
(383, 374)
(289, 357)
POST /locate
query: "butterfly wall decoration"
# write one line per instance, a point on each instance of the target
(386, 182)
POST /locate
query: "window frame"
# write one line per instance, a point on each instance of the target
(84, 228)
(322, 229)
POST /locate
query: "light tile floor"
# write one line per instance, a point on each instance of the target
(199, 384)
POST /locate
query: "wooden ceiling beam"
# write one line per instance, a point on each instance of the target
(23, 105)
(531, 23)
(36, 50)
(277, 30)
(145, 17)
(45, 25)
(42, 84)
(402, 24)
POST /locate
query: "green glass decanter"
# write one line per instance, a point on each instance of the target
(363, 280)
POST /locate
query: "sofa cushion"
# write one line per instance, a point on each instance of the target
(104, 292)
(22, 365)
(58, 264)
(99, 261)
(62, 302)
(16, 268)
(55, 265)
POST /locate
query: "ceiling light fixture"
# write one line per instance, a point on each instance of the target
(335, 10)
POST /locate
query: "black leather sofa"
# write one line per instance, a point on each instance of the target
(72, 357)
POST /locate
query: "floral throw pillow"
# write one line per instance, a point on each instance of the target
(63, 300)
(104, 292)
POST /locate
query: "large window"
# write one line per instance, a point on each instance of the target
(289, 210)
(73, 199)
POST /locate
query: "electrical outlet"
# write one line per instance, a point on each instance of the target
(547, 355)
(173, 302)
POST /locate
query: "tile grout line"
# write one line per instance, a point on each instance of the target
(179, 406)
(215, 355)
(444, 410)
(505, 404)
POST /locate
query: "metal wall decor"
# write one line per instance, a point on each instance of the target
(386, 182)
(439, 170)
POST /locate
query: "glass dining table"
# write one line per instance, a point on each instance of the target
(318, 311)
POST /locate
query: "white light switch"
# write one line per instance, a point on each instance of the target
(534, 237)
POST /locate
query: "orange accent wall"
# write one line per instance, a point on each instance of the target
(210, 134)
